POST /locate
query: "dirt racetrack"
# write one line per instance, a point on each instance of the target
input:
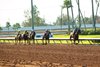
(49, 55)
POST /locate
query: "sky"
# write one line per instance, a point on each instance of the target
(13, 10)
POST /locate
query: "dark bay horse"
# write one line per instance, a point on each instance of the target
(26, 37)
(75, 35)
(18, 38)
(46, 37)
(32, 36)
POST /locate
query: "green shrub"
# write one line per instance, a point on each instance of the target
(90, 32)
(96, 41)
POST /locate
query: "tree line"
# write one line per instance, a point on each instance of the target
(63, 19)
(88, 20)
(80, 19)
(66, 19)
(15, 26)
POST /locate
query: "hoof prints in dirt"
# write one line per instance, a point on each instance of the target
(53, 55)
(36, 64)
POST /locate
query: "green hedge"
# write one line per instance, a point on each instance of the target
(90, 32)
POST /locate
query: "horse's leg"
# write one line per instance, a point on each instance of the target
(29, 41)
(45, 41)
(21, 41)
(18, 41)
(48, 41)
(71, 38)
(74, 40)
(15, 41)
(24, 42)
(42, 41)
(33, 41)
(78, 38)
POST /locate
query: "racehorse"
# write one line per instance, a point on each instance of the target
(18, 38)
(26, 37)
(75, 35)
(46, 37)
(32, 36)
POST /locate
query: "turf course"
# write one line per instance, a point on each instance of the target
(80, 36)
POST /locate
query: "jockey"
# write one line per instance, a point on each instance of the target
(26, 32)
(75, 31)
(19, 34)
(48, 34)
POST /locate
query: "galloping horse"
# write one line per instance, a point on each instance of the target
(18, 38)
(75, 35)
(46, 36)
(26, 37)
(32, 36)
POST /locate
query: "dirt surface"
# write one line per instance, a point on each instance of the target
(49, 55)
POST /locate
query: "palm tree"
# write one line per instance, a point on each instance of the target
(80, 15)
(97, 2)
(73, 21)
(61, 15)
(32, 14)
(8, 26)
(94, 22)
(67, 4)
